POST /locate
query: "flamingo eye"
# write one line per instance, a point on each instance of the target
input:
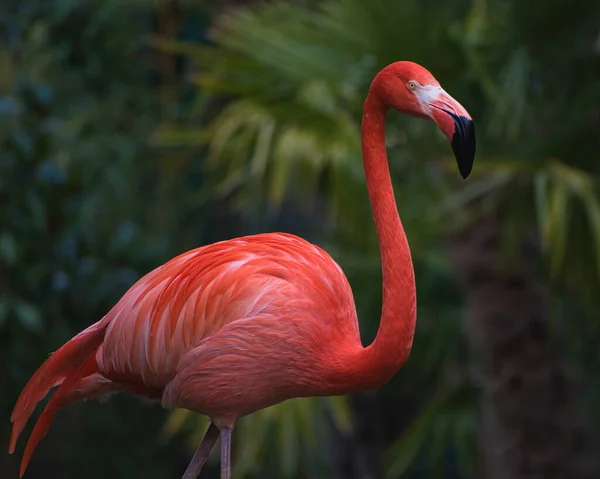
(412, 85)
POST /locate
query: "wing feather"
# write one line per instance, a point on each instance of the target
(172, 309)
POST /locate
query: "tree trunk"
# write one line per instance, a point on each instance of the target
(531, 426)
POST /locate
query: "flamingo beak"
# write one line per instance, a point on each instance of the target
(456, 123)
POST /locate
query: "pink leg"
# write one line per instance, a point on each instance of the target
(201, 454)
(225, 453)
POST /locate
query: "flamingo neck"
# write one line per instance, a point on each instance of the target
(376, 364)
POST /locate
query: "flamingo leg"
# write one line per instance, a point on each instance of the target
(201, 454)
(225, 453)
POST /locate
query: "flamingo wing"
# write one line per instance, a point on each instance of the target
(174, 308)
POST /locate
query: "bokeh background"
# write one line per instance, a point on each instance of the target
(131, 131)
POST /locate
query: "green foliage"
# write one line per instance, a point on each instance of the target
(296, 124)
(565, 203)
(541, 130)
(446, 420)
(78, 223)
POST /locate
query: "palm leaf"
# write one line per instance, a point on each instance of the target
(561, 193)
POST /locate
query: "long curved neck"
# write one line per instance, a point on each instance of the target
(374, 365)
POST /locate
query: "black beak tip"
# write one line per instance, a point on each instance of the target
(463, 144)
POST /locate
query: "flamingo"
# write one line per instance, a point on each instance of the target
(236, 326)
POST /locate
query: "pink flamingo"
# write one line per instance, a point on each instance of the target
(236, 326)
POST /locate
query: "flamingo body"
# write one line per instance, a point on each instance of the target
(208, 327)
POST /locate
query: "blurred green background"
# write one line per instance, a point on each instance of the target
(132, 131)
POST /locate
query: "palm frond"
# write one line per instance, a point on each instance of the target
(566, 210)
(448, 422)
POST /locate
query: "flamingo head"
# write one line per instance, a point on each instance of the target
(412, 89)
